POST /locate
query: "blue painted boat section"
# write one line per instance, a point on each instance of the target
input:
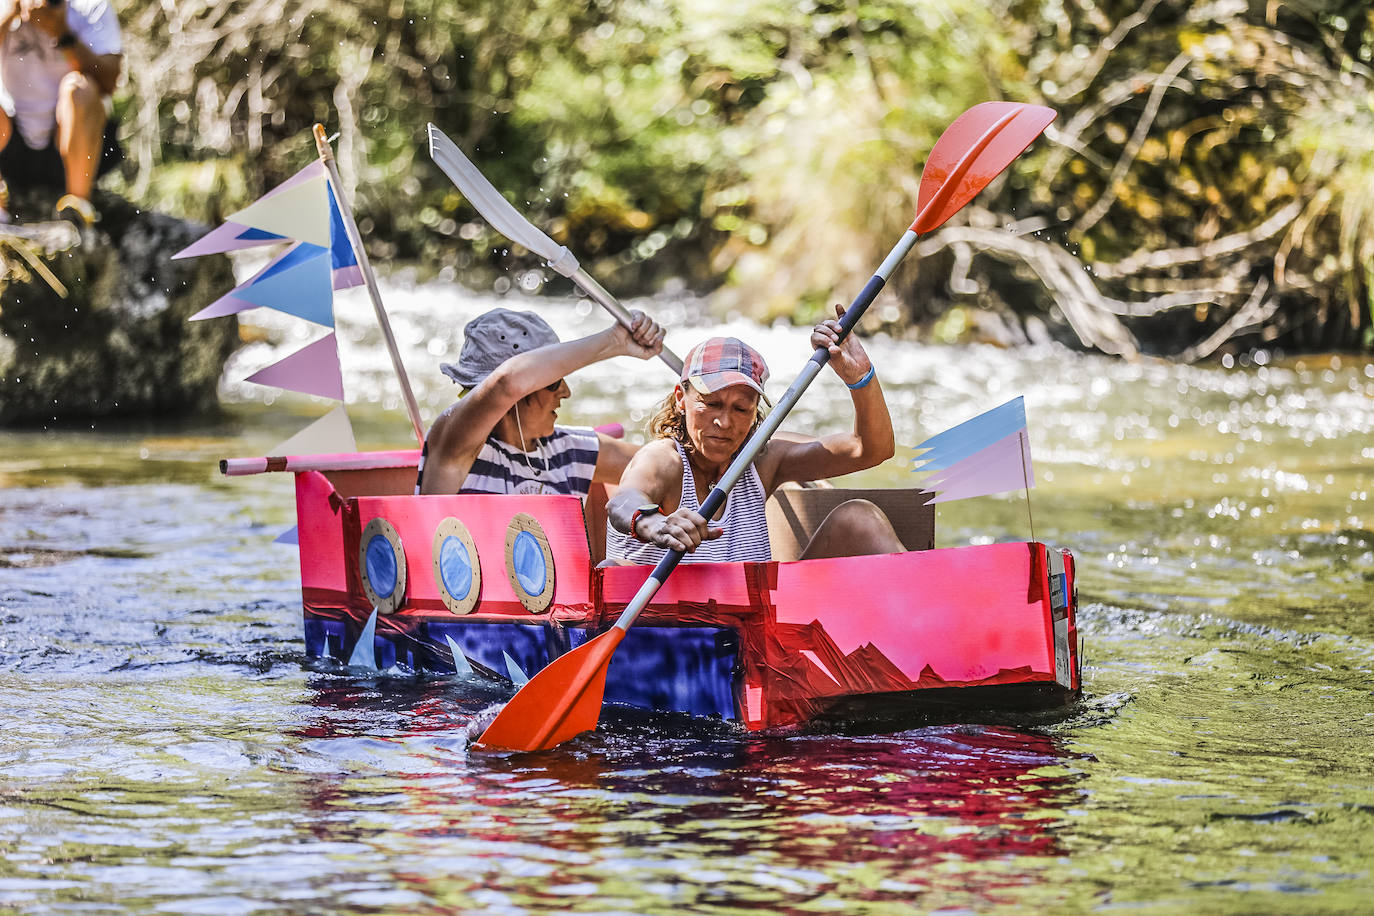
(683, 669)
(528, 645)
(325, 638)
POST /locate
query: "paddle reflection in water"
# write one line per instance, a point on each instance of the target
(657, 812)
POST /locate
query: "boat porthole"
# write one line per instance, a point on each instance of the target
(457, 573)
(529, 563)
(382, 564)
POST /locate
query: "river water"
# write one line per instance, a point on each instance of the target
(166, 748)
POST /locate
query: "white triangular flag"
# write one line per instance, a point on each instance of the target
(331, 434)
(300, 213)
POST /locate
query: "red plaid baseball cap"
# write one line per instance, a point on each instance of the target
(724, 361)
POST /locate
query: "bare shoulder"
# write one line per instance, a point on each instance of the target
(653, 466)
(658, 455)
(452, 435)
(776, 455)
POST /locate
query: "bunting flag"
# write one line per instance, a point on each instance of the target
(303, 214)
(230, 303)
(228, 237)
(248, 228)
(982, 456)
(313, 369)
(233, 236)
(297, 284)
(343, 262)
(300, 212)
(331, 434)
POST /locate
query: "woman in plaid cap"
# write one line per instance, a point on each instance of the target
(501, 437)
(708, 417)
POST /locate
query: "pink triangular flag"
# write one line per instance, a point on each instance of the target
(1003, 466)
(227, 237)
(313, 369)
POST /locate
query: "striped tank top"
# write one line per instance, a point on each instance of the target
(746, 526)
(562, 463)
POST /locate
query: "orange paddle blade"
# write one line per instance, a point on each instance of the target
(559, 702)
(1019, 125)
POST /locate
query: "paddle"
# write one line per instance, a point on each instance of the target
(506, 220)
(564, 699)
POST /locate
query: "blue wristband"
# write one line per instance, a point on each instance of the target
(868, 377)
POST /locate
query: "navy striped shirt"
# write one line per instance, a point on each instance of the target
(562, 463)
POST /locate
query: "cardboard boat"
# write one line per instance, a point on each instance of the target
(512, 582)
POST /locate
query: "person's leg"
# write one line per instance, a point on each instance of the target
(80, 130)
(6, 131)
(853, 529)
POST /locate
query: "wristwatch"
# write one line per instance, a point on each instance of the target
(647, 509)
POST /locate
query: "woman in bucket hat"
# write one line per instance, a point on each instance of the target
(501, 435)
(707, 418)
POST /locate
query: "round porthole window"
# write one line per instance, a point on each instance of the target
(457, 572)
(382, 565)
(529, 563)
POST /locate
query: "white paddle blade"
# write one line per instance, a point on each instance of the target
(494, 208)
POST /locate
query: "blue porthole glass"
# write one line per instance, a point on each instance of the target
(381, 566)
(455, 567)
(527, 559)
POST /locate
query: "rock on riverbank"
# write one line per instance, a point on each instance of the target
(119, 342)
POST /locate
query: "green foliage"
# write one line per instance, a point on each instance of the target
(776, 146)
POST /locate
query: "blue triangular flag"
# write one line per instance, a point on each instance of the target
(258, 235)
(303, 289)
(343, 262)
(985, 455)
(959, 442)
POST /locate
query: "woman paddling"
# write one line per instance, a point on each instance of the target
(501, 437)
(702, 424)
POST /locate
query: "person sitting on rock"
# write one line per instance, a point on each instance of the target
(59, 63)
(702, 425)
(501, 437)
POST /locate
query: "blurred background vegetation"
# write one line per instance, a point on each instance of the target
(1208, 187)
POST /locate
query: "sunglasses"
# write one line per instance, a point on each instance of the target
(555, 386)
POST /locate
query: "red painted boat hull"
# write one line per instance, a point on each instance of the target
(769, 645)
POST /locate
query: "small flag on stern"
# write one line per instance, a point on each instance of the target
(982, 456)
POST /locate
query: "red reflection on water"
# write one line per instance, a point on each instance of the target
(964, 810)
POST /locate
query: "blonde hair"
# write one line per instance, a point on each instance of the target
(670, 423)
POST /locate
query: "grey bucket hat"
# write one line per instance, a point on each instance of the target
(494, 337)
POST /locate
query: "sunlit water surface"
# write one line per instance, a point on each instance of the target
(167, 748)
